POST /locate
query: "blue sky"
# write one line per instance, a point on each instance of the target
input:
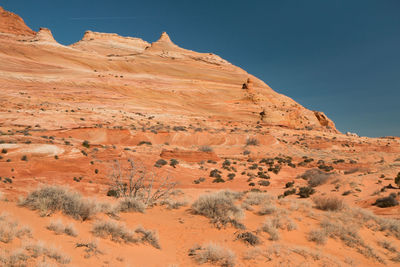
(341, 57)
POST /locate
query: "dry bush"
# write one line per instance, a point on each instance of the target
(59, 228)
(387, 245)
(219, 207)
(10, 229)
(390, 226)
(214, 254)
(131, 205)
(267, 208)
(91, 248)
(205, 149)
(329, 203)
(172, 204)
(315, 177)
(39, 249)
(252, 142)
(270, 228)
(348, 233)
(50, 199)
(318, 236)
(389, 201)
(16, 259)
(248, 238)
(257, 198)
(118, 233)
(132, 181)
(396, 258)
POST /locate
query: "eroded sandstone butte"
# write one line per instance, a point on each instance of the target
(160, 77)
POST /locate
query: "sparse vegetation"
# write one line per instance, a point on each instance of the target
(10, 229)
(389, 201)
(315, 177)
(59, 228)
(132, 181)
(118, 232)
(397, 180)
(86, 144)
(214, 254)
(328, 203)
(49, 199)
(248, 238)
(252, 142)
(306, 191)
(219, 207)
(205, 149)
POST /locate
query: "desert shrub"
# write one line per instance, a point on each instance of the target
(219, 207)
(318, 236)
(86, 144)
(289, 184)
(24, 158)
(173, 162)
(4, 151)
(218, 180)
(315, 177)
(252, 142)
(324, 167)
(173, 204)
(39, 249)
(329, 203)
(131, 205)
(214, 254)
(231, 176)
(200, 180)
(275, 169)
(144, 143)
(159, 163)
(271, 229)
(130, 180)
(387, 245)
(267, 208)
(205, 149)
(289, 192)
(264, 183)
(257, 198)
(306, 191)
(10, 229)
(118, 232)
(397, 180)
(59, 228)
(50, 199)
(248, 238)
(215, 173)
(389, 201)
(16, 258)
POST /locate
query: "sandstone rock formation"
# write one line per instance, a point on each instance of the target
(11, 23)
(184, 81)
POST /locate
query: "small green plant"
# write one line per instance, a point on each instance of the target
(205, 149)
(173, 162)
(4, 151)
(24, 158)
(389, 201)
(397, 180)
(252, 142)
(86, 144)
(306, 191)
(159, 163)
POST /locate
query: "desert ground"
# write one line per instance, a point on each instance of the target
(119, 152)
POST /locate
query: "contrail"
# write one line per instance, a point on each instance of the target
(106, 18)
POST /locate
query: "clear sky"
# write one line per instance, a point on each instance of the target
(341, 57)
